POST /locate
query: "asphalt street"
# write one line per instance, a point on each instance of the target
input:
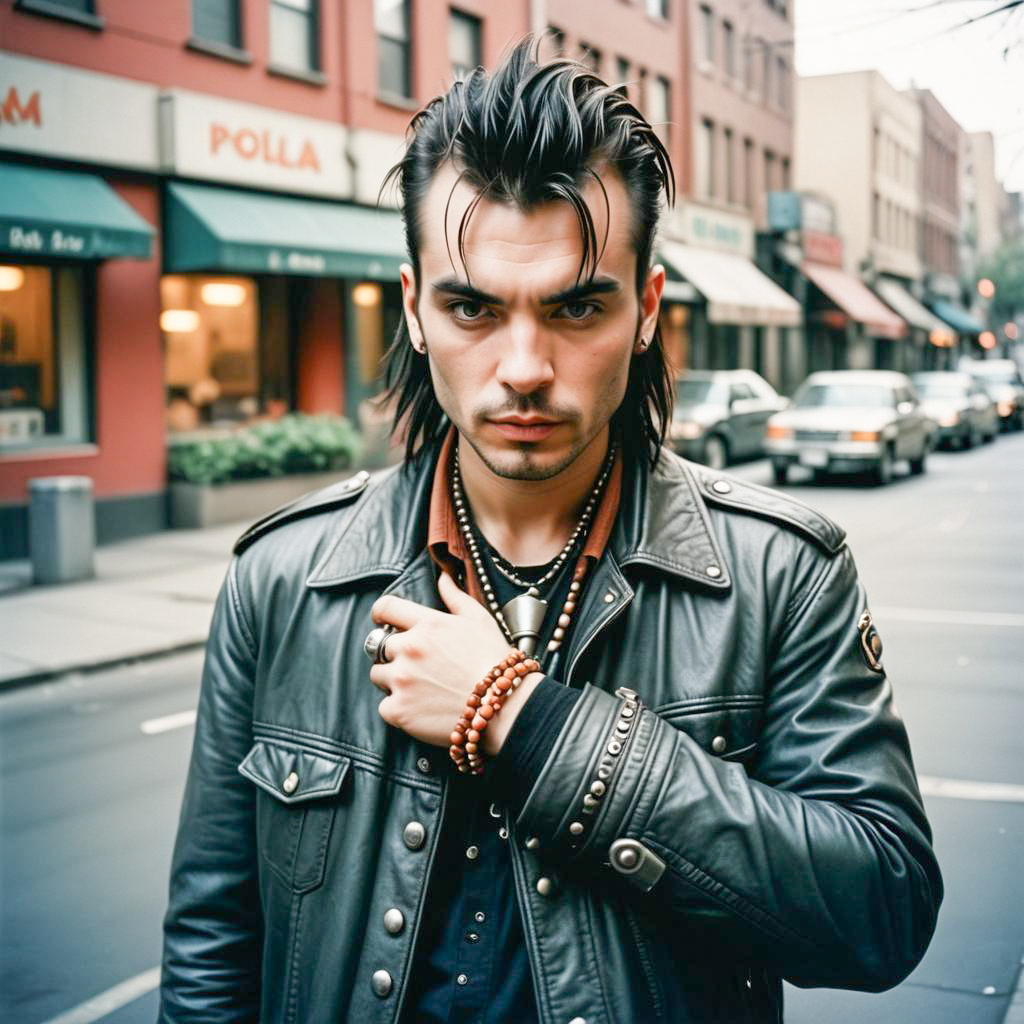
(92, 770)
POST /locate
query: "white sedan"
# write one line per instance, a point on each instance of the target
(851, 421)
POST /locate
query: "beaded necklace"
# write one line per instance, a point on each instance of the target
(522, 618)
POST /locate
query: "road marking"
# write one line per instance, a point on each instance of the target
(966, 789)
(944, 617)
(113, 999)
(177, 721)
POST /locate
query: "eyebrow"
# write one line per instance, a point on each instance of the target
(583, 290)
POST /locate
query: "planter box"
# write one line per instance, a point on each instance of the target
(193, 506)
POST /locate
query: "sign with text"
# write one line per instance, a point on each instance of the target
(715, 229)
(52, 110)
(244, 144)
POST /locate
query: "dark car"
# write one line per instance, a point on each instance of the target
(1001, 379)
(961, 407)
(720, 415)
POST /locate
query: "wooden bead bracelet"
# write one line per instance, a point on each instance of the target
(483, 703)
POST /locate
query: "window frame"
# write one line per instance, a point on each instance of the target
(214, 47)
(314, 69)
(405, 99)
(61, 12)
(456, 14)
(706, 35)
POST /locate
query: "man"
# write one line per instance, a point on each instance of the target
(697, 787)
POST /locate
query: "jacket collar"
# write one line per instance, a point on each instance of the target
(663, 525)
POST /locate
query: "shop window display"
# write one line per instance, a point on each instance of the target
(43, 373)
(218, 347)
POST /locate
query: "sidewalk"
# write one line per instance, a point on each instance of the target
(150, 596)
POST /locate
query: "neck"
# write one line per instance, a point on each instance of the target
(528, 521)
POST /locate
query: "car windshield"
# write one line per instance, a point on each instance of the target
(692, 391)
(936, 387)
(844, 396)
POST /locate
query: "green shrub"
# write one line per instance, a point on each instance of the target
(292, 444)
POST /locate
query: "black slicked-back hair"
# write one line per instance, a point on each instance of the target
(527, 134)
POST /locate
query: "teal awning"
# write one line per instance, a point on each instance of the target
(223, 229)
(44, 212)
(957, 318)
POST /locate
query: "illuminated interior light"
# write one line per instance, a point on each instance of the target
(179, 321)
(222, 293)
(11, 278)
(366, 294)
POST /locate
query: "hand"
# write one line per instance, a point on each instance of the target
(436, 660)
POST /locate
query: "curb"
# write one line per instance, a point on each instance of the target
(48, 675)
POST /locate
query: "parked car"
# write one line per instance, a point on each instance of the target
(1001, 379)
(961, 407)
(720, 415)
(851, 421)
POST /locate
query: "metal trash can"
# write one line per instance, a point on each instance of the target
(61, 528)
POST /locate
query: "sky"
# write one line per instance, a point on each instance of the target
(976, 71)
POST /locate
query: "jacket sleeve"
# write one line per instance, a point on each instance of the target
(819, 864)
(212, 930)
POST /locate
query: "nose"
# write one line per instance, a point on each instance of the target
(525, 363)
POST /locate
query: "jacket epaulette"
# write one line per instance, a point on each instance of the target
(729, 492)
(323, 500)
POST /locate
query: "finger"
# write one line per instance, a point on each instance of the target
(456, 601)
(379, 676)
(399, 612)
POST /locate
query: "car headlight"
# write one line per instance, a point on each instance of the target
(775, 433)
(686, 430)
(865, 435)
(950, 421)
(1004, 408)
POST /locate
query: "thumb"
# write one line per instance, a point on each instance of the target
(457, 602)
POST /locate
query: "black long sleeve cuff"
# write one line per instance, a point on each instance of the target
(531, 737)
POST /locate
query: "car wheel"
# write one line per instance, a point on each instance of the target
(883, 471)
(969, 440)
(716, 455)
(917, 466)
(780, 473)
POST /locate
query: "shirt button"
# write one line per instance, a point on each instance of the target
(424, 766)
(545, 886)
(472, 937)
(291, 783)
(472, 852)
(718, 744)
(414, 835)
(479, 917)
(462, 979)
(380, 982)
(578, 1020)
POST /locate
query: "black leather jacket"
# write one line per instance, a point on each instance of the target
(758, 820)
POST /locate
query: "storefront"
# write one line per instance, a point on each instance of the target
(932, 342)
(735, 315)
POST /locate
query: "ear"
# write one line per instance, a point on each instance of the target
(650, 306)
(409, 307)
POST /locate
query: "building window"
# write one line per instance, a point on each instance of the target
(217, 21)
(464, 47)
(766, 72)
(374, 313)
(729, 48)
(781, 83)
(769, 170)
(227, 357)
(659, 106)
(82, 12)
(622, 73)
(657, 9)
(730, 165)
(748, 173)
(293, 34)
(591, 57)
(391, 20)
(706, 34)
(876, 216)
(706, 159)
(43, 364)
(786, 175)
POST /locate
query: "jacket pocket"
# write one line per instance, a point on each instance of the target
(296, 810)
(728, 727)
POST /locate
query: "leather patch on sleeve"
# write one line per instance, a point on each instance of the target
(870, 642)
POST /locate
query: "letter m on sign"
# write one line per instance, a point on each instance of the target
(13, 111)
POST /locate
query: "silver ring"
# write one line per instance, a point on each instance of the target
(374, 643)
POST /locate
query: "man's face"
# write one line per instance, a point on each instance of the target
(529, 364)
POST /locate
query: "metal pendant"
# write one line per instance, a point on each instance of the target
(524, 616)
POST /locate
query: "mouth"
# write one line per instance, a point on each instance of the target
(520, 428)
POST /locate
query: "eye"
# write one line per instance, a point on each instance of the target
(467, 311)
(580, 311)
